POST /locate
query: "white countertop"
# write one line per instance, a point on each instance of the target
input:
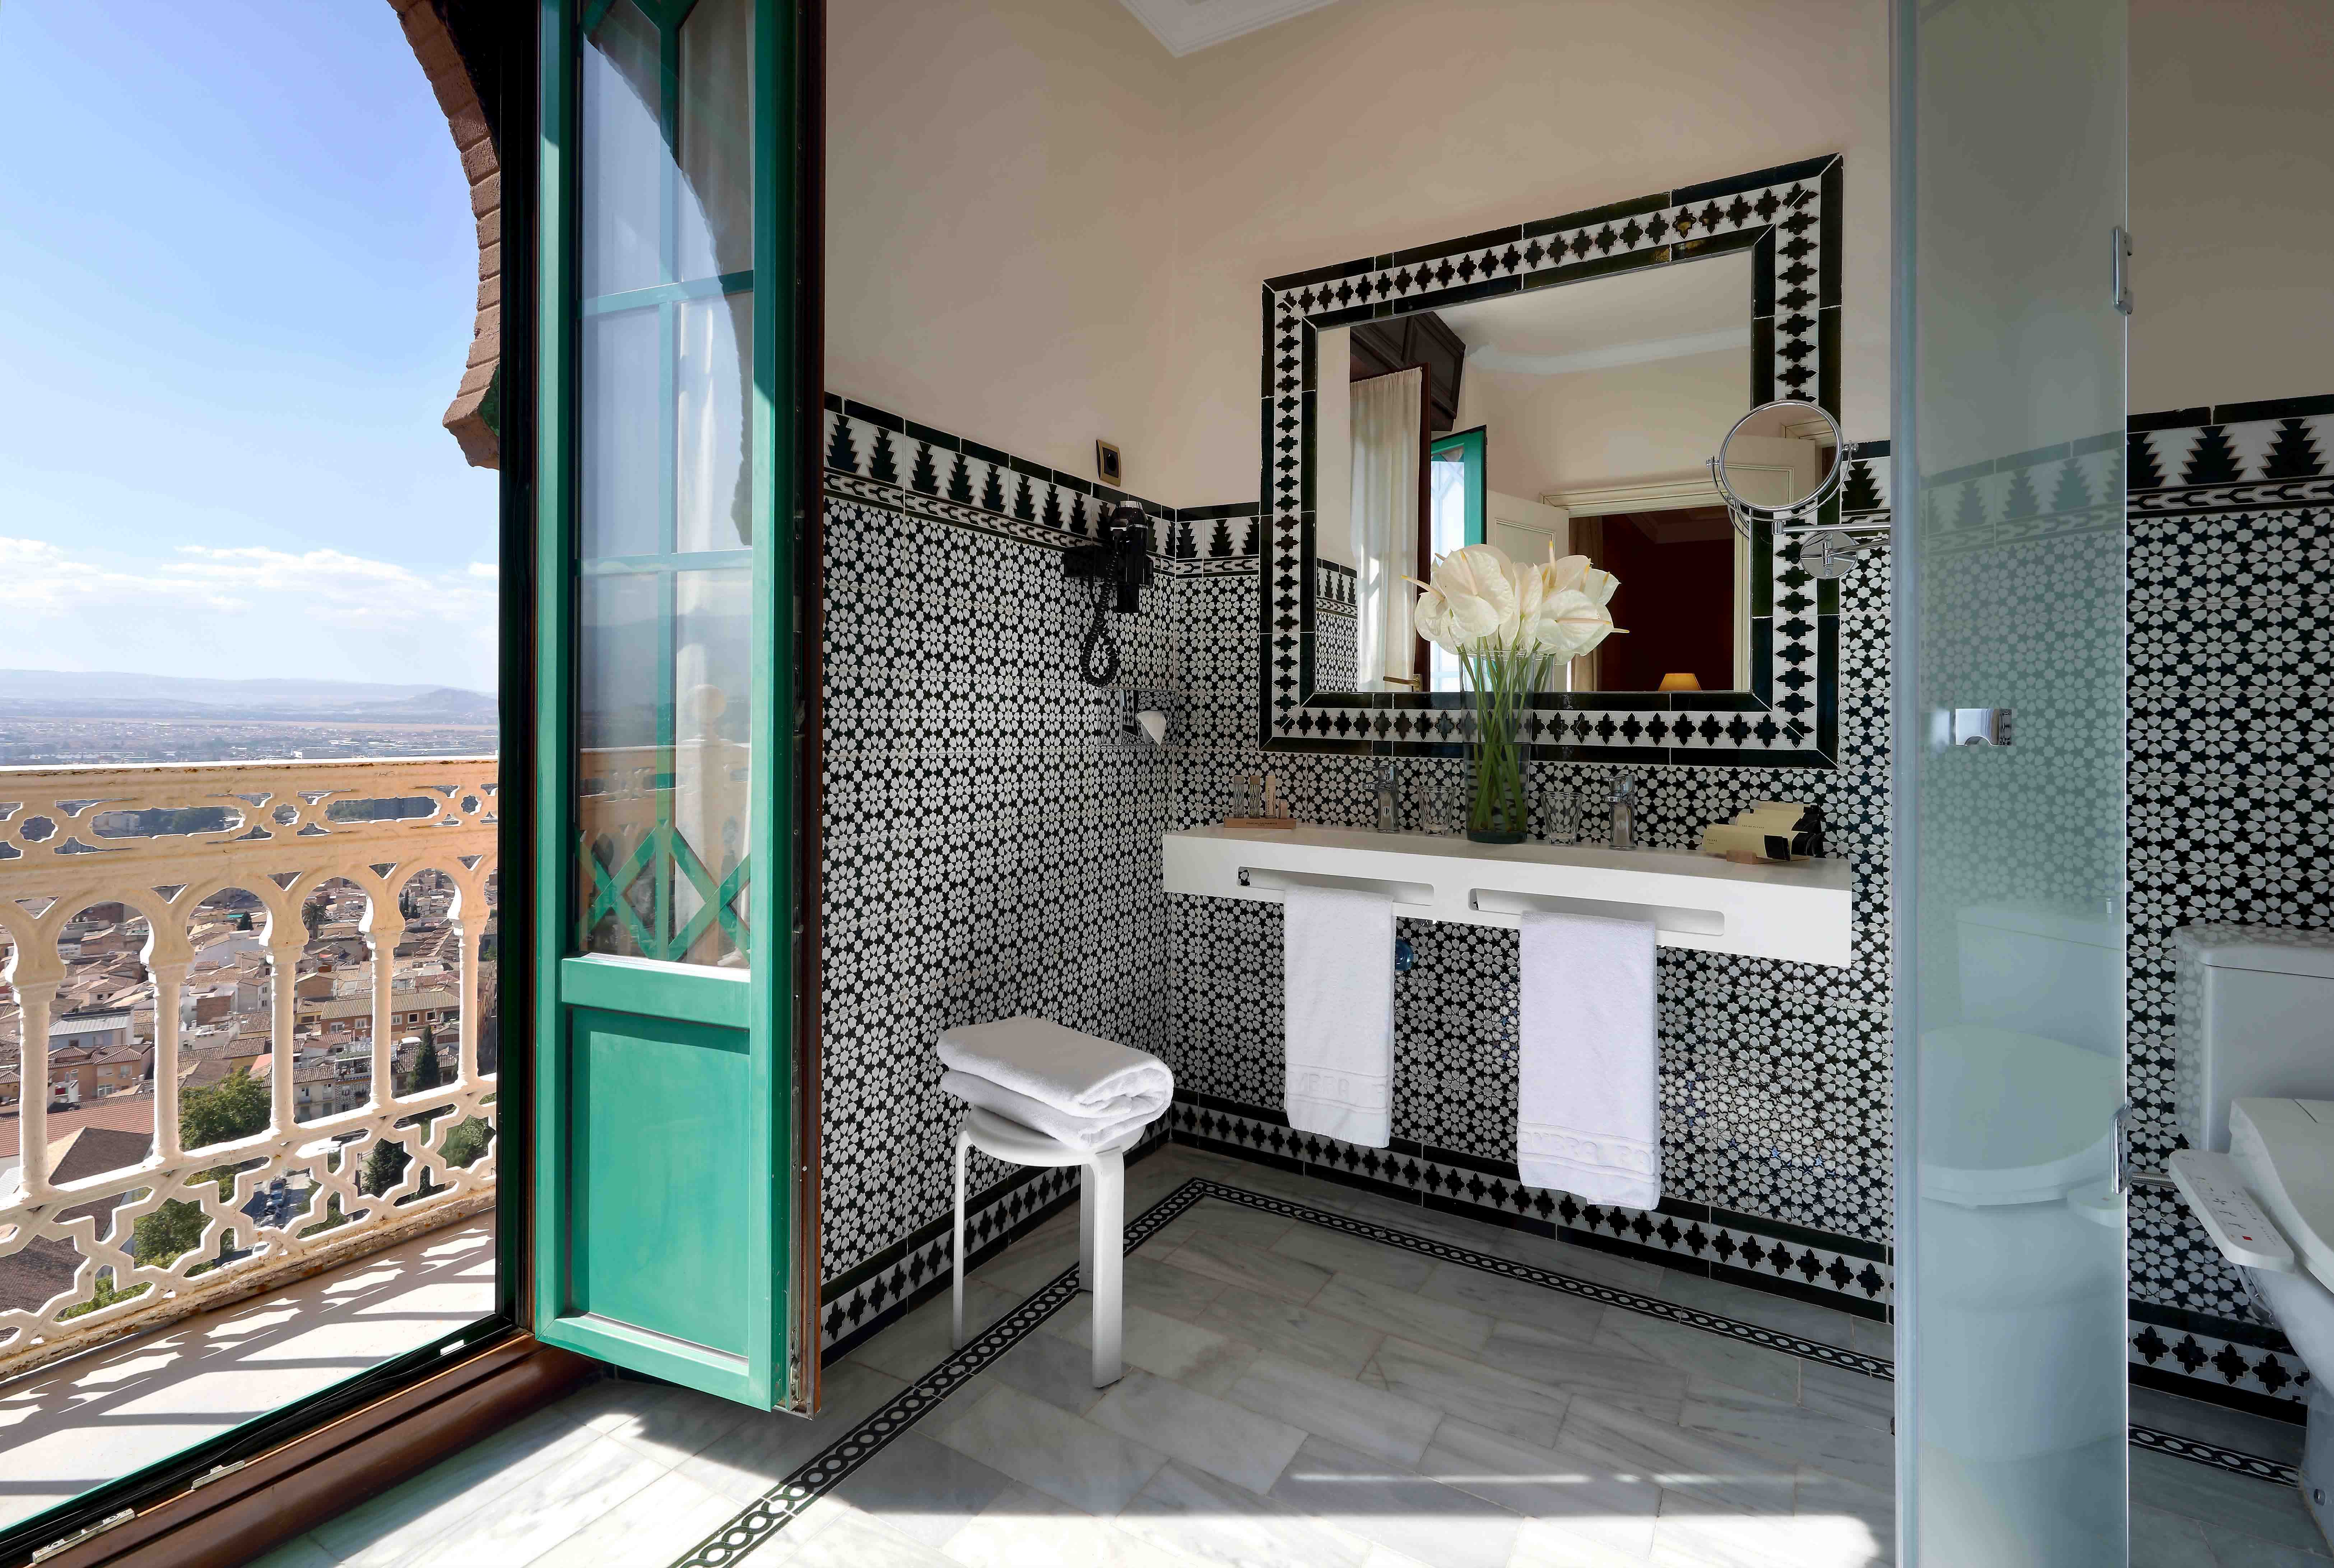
(1798, 912)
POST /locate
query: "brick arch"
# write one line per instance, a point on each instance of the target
(467, 417)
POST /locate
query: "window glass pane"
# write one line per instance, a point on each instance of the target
(713, 488)
(624, 159)
(619, 483)
(665, 479)
(714, 222)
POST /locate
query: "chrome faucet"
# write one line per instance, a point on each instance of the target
(1624, 812)
(1389, 797)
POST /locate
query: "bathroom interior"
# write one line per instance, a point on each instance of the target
(1836, 1071)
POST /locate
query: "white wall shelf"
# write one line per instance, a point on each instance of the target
(1798, 912)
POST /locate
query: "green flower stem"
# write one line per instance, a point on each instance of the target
(1501, 680)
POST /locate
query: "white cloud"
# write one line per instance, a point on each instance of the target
(236, 610)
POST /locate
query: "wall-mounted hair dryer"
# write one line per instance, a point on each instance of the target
(1121, 559)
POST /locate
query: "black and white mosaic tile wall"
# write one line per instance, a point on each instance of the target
(2230, 661)
(991, 848)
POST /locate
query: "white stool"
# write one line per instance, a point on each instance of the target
(1102, 1219)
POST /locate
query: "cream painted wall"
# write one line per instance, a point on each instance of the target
(1630, 424)
(1375, 124)
(2232, 202)
(1001, 225)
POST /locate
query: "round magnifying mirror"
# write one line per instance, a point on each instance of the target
(1780, 460)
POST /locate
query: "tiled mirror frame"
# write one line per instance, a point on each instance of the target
(1789, 218)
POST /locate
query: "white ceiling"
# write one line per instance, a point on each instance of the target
(1188, 25)
(1624, 319)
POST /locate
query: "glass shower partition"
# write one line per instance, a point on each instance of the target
(2009, 781)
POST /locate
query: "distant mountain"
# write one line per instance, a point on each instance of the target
(55, 693)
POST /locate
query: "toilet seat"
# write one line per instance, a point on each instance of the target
(2033, 1120)
(2285, 1148)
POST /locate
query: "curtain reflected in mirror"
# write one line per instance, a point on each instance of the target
(1389, 439)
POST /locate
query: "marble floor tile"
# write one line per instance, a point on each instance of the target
(523, 1523)
(1227, 1440)
(1458, 1386)
(1027, 1529)
(1545, 1544)
(1029, 1264)
(1339, 1253)
(1233, 1221)
(1718, 1540)
(385, 1528)
(2233, 1503)
(1062, 1454)
(1824, 1325)
(1820, 1494)
(1698, 1472)
(2230, 1547)
(2280, 1440)
(1272, 1323)
(664, 1421)
(1564, 1364)
(2162, 1540)
(1701, 1354)
(1785, 1431)
(1373, 1422)
(851, 1540)
(1397, 1507)
(1613, 1512)
(1406, 1312)
(759, 1452)
(921, 1340)
(1195, 1357)
(1868, 1338)
(1206, 1520)
(1235, 1263)
(1051, 1368)
(1850, 1396)
(1518, 1301)
(1178, 1293)
(657, 1524)
(924, 1490)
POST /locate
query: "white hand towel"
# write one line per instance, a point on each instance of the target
(1589, 1074)
(1339, 1016)
(1077, 1074)
(1081, 1132)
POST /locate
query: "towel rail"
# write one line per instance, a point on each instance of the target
(1673, 918)
(1411, 895)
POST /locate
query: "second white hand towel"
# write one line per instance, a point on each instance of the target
(1589, 1074)
(1339, 1014)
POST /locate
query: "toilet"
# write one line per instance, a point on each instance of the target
(2255, 1089)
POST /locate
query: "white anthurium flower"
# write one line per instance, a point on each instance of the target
(1432, 619)
(1471, 601)
(1565, 571)
(1578, 623)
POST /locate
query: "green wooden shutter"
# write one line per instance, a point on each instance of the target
(663, 1207)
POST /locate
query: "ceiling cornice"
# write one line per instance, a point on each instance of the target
(1187, 27)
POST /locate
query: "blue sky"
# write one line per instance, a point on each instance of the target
(238, 274)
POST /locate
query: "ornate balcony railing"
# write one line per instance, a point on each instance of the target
(301, 1196)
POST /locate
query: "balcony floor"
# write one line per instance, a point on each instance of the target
(1294, 1395)
(106, 1413)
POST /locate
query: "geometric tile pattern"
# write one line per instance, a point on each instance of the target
(1788, 220)
(2232, 558)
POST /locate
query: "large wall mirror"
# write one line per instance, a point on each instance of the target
(1561, 387)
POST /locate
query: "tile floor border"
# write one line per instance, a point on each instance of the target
(786, 1501)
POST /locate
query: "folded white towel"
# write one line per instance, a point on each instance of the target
(1077, 1074)
(1338, 974)
(1080, 1132)
(1588, 1081)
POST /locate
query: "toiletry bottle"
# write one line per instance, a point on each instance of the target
(1389, 798)
(1625, 813)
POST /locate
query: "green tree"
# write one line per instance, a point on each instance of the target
(466, 1142)
(426, 1072)
(242, 921)
(311, 915)
(174, 1228)
(384, 1167)
(235, 1106)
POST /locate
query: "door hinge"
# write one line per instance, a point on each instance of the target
(2120, 275)
(68, 1542)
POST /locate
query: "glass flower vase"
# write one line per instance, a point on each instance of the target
(1500, 685)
